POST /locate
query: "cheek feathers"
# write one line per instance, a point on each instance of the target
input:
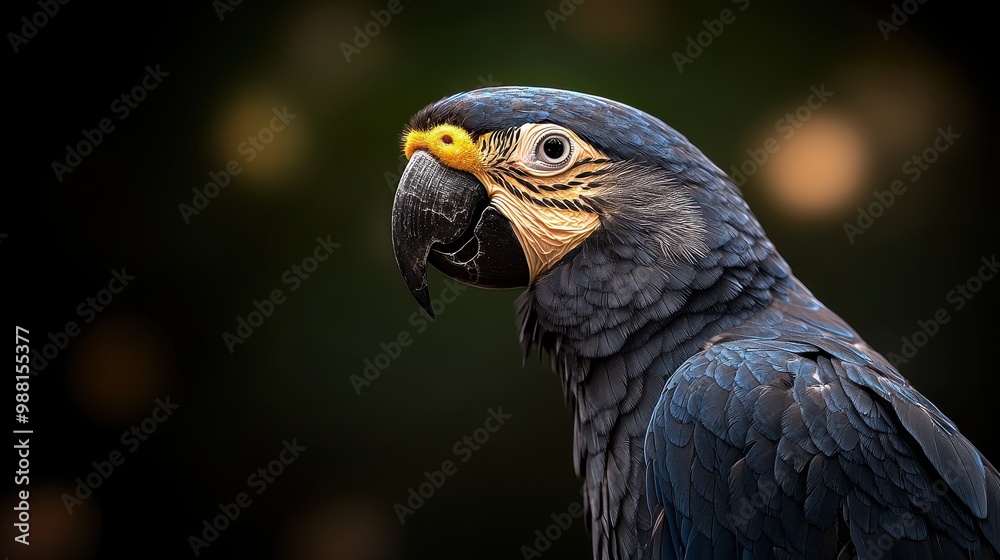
(648, 204)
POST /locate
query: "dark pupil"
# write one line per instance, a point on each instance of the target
(554, 148)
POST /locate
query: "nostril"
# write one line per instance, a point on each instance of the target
(446, 139)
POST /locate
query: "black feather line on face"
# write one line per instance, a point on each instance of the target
(592, 173)
(527, 184)
(579, 205)
(500, 144)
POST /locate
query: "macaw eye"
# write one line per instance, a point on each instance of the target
(544, 149)
(553, 150)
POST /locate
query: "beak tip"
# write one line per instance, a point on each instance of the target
(425, 302)
(416, 282)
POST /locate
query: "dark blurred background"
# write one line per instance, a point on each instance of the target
(330, 172)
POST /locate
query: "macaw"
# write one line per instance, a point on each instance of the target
(720, 410)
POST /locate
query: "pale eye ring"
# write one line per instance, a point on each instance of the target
(554, 149)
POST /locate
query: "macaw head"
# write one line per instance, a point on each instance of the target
(564, 193)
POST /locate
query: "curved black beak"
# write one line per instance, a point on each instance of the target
(443, 216)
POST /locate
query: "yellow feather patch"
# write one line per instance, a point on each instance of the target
(449, 143)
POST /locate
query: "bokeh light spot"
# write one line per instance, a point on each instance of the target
(820, 170)
(346, 529)
(55, 534)
(626, 24)
(900, 97)
(119, 367)
(266, 135)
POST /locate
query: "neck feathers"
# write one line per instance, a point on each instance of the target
(617, 317)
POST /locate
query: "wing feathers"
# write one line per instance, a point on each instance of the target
(783, 449)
